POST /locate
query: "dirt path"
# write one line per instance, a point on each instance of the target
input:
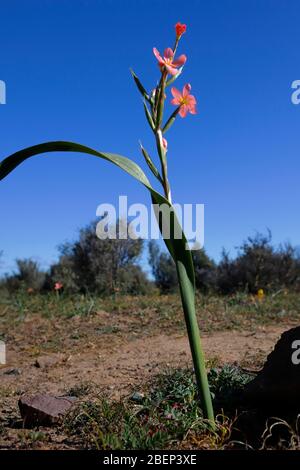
(122, 364)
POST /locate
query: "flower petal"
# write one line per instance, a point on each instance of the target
(180, 61)
(175, 101)
(176, 93)
(191, 100)
(183, 110)
(158, 56)
(168, 53)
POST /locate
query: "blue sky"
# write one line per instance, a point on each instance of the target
(66, 67)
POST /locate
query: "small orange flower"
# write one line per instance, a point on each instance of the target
(180, 29)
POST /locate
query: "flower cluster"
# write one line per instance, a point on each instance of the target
(168, 64)
(171, 67)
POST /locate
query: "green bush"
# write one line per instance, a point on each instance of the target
(100, 266)
(28, 277)
(259, 265)
(163, 269)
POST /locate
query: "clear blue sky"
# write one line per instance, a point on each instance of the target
(66, 67)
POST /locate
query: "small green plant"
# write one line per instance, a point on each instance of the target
(166, 414)
(227, 384)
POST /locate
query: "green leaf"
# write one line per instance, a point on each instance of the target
(149, 117)
(177, 247)
(150, 163)
(171, 120)
(140, 86)
(10, 163)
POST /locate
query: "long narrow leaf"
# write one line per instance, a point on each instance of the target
(139, 85)
(176, 247)
(150, 163)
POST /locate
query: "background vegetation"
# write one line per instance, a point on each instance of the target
(92, 266)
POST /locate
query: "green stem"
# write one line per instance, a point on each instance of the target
(175, 46)
(164, 169)
(188, 304)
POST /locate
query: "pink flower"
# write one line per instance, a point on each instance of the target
(58, 286)
(186, 101)
(168, 62)
(180, 29)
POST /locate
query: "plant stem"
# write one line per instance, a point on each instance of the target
(188, 304)
(161, 100)
(164, 168)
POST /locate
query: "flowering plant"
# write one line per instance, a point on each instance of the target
(170, 69)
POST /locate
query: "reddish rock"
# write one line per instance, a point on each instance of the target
(44, 410)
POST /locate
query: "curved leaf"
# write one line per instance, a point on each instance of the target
(10, 163)
(177, 247)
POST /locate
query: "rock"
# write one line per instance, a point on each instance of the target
(277, 385)
(12, 371)
(43, 410)
(137, 397)
(46, 361)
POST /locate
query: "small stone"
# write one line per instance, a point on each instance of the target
(44, 410)
(43, 362)
(277, 385)
(137, 397)
(12, 371)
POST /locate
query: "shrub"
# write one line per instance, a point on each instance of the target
(259, 265)
(28, 276)
(164, 271)
(100, 266)
(163, 268)
(205, 271)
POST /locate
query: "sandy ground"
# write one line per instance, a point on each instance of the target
(116, 366)
(53, 357)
